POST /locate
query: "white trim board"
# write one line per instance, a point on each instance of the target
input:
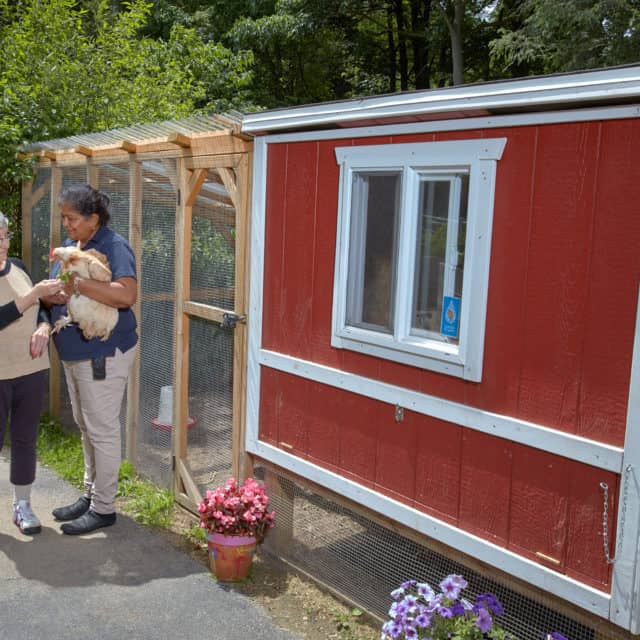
(541, 92)
(462, 124)
(625, 586)
(586, 597)
(567, 445)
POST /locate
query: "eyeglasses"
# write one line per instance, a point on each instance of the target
(6, 238)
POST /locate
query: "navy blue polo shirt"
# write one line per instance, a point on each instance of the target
(70, 342)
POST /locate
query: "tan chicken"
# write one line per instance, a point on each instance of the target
(95, 319)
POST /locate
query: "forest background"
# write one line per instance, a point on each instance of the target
(70, 67)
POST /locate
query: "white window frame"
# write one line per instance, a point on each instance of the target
(478, 159)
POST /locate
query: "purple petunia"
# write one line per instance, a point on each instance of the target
(397, 594)
(484, 621)
(425, 591)
(555, 635)
(452, 585)
(445, 612)
(490, 602)
(423, 620)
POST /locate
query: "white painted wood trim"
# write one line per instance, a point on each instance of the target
(625, 602)
(254, 319)
(462, 124)
(540, 437)
(545, 91)
(575, 592)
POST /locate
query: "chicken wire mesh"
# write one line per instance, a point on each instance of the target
(363, 561)
(157, 295)
(40, 224)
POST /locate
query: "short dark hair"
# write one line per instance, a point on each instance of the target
(86, 200)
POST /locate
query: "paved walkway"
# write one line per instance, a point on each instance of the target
(122, 582)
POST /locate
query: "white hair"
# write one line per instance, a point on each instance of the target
(4, 222)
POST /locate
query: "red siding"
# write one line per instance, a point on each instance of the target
(559, 335)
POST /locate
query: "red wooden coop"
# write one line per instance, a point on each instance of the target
(444, 319)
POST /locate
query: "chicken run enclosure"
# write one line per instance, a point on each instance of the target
(179, 194)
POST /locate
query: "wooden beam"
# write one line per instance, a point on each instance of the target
(181, 139)
(54, 241)
(27, 223)
(135, 240)
(242, 463)
(229, 180)
(190, 487)
(209, 161)
(181, 322)
(196, 179)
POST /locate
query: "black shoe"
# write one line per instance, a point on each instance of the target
(88, 522)
(72, 511)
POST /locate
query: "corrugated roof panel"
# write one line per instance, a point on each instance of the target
(140, 132)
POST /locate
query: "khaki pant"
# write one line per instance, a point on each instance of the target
(96, 409)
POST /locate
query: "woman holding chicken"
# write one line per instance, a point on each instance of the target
(24, 336)
(96, 370)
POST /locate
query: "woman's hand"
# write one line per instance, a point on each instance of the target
(48, 288)
(44, 289)
(40, 339)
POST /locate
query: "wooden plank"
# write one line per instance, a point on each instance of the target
(27, 223)
(196, 180)
(186, 477)
(93, 174)
(204, 311)
(229, 181)
(438, 463)
(241, 462)
(219, 145)
(181, 322)
(209, 161)
(147, 146)
(185, 501)
(135, 240)
(54, 241)
(612, 284)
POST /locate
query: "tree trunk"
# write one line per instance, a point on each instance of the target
(392, 50)
(420, 14)
(456, 42)
(453, 13)
(402, 44)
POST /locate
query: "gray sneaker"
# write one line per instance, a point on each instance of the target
(25, 519)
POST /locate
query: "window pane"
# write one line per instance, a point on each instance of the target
(441, 232)
(372, 250)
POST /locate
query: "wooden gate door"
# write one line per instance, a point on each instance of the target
(210, 324)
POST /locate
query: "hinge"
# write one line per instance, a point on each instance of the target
(173, 463)
(178, 197)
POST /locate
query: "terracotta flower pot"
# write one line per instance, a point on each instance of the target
(230, 556)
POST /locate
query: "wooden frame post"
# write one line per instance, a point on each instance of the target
(54, 241)
(242, 463)
(135, 240)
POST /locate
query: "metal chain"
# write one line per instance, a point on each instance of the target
(623, 515)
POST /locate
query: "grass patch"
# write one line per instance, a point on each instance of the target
(62, 451)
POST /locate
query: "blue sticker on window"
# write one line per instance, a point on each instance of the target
(450, 321)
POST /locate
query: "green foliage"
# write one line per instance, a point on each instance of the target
(70, 67)
(61, 451)
(550, 36)
(147, 503)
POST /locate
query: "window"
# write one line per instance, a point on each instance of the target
(413, 247)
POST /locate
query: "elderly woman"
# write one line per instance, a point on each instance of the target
(96, 371)
(24, 336)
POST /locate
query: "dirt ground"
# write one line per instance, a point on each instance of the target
(293, 602)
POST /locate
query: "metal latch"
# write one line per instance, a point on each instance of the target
(230, 320)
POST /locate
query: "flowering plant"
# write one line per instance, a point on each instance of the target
(237, 509)
(419, 613)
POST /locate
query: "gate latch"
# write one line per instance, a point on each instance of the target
(230, 319)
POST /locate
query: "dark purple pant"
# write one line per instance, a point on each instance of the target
(22, 398)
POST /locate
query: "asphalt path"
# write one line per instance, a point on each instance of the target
(124, 582)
